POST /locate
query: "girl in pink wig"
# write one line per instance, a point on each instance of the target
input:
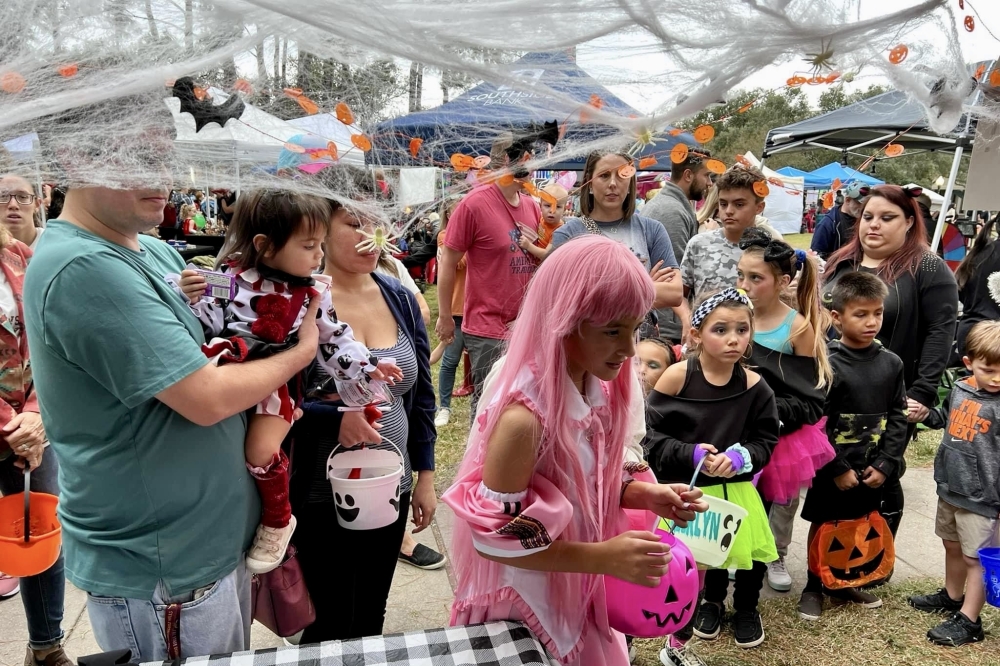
(540, 493)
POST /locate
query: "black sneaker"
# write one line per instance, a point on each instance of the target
(810, 605)
(939, 602)
(956, 630)
(748, 630)
(708, 621)
(424, 558)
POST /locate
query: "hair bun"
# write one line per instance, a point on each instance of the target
(754, 237)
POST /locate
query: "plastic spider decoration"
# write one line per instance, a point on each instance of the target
(823, 59)
(378, 239)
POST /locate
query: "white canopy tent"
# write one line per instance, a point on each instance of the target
(782, 205)
(329, 128)
(936, 199)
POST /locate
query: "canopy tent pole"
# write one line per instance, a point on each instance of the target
(948, 192)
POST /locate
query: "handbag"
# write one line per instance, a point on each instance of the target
(280, 600)
(852, 553)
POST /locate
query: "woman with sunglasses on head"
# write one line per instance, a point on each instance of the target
(918, 323)
(607, 204)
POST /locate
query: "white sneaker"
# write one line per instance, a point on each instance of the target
(443, 417)
(632, 654)
(778, 577)
(671, 656)
(269, 546)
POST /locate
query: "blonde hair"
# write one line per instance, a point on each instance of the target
(983, 342)
(710, 206)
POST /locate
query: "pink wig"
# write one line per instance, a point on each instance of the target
(590, 279)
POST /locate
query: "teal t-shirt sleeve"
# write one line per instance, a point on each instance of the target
(118, 328)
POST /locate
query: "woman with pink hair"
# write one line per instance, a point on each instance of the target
(540, 493)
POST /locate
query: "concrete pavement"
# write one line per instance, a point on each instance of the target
(421, 599)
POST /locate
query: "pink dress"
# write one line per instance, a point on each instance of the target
(567, 612)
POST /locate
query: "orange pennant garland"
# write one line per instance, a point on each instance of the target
(505, 180)
(717, 167)
(293, 92)
(243, 86)
(898, 54)
(548, 198)
(742, 161)
(832, 78)
(675, 132)
(294, 148)
(836, 184)
(745, 107)
(796, 81)
(530, 188)
(309, 106)
(68, 71)
(626, 171)
(816, 80)
(828, 200)
(777, 182)
(12, 82)
(995, 78)
(596, 102)
(761, 189)
(343, 113)
(331, 148)
(647, 162)
(894, 150)
(415, 147)
(361, 142)
(679, 153)
(200, 93)
(970, 23)
(704, 133)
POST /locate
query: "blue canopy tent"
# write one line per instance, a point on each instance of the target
(836, 171)
(469, 123)
(811, 182)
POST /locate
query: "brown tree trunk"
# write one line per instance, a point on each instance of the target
(151, 20)
(189, 25)
(416, 87)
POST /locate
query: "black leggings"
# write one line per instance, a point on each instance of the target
(348, 572)
(746, 591)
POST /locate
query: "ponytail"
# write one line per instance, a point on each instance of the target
(970, 264)
(808, 304)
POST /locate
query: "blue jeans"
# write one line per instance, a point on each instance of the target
(214, 620)
(449, 364)
(42, 595)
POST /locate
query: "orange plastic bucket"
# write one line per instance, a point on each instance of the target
(19, 556)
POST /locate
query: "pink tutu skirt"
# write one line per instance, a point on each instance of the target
(794, 462)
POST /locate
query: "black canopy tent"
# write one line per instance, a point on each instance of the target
(872, 123)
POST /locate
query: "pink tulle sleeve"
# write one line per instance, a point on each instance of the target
(510, 524)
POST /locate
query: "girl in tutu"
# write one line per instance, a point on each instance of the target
(539, 496)
(709, 407)
(792, 358)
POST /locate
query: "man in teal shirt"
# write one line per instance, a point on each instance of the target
(157, 504)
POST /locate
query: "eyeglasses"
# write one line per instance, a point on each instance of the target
(23, 199)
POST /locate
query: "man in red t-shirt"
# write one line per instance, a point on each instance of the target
(485, 227)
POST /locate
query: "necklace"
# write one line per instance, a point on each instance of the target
(599, 229)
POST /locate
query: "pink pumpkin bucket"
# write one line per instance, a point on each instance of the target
(654, 612)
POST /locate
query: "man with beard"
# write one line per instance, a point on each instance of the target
(837, 227)
(689, 181)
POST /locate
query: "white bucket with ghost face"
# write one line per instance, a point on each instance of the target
(711, 534)
(371, 501)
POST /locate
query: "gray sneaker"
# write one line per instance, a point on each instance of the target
(778, 577)
(810, 605)
(851, 595)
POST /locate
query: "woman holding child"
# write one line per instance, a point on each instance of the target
(920, 310)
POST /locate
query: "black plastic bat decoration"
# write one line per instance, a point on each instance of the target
(525, 140)
(203, 111)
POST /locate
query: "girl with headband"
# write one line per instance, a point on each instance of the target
(710, 407)
(789, 351)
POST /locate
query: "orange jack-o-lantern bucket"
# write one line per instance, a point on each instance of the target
(852, 553)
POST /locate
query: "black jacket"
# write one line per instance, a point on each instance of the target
(793, 380)
(918, 324)
(676, 425)
(865, 410)
(322, 420)
(977, 304)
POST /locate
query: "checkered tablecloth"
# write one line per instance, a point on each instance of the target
(490, 644)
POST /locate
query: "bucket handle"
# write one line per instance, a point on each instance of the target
(384, 439)
(27, 503)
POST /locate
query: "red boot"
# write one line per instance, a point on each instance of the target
(277, 522)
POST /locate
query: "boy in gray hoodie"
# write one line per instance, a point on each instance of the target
(967, 472)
